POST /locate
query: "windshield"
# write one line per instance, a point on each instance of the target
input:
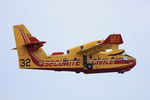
(124, 54)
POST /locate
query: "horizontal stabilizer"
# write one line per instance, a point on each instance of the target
(14, 49)
(34, 40)
(35, 44)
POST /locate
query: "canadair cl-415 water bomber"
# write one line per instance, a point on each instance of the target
(92, 57)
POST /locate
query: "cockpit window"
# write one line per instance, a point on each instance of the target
(125, 59)
(124, 54)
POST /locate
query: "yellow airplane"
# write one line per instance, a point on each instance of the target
(92, 57)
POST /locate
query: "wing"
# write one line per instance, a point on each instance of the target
(94, 49)
(112, 41)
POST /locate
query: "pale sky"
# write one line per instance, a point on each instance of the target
(64, 24)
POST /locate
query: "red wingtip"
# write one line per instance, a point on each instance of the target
(113, 39)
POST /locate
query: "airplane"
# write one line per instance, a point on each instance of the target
(99, 56)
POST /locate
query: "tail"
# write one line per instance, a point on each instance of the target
(30, 53)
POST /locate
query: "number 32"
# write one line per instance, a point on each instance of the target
(25, 62)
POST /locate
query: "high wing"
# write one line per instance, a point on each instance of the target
(111, 42)
(94, 49)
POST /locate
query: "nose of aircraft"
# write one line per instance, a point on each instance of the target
(131, 64)
(133, 61)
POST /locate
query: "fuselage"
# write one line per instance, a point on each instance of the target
(101, 62)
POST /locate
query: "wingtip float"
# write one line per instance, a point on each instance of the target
(89, 58)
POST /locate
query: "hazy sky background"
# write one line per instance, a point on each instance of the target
(68, 23)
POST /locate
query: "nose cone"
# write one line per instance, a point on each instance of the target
(132, 62)
(130, 65)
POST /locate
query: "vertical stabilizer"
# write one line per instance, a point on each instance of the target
(28, 47)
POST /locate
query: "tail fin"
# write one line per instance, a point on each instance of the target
(25, 42)
(113, 39)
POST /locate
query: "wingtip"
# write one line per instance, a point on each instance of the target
(18, 25)
(114, 39)
(14, 49)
